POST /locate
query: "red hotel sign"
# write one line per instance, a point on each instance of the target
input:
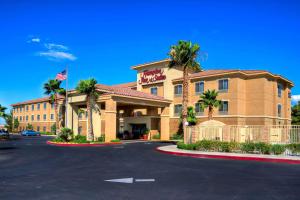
(152, 76)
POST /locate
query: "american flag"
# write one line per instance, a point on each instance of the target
(61, 76)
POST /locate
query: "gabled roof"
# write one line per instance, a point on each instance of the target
(150, 63)
(38, 100)
(125, 91)
(129, 85)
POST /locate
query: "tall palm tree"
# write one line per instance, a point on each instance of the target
(88, 87)
(2, 111)
(184, 55)
(53, 89)
(209, 100)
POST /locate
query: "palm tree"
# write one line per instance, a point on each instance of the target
(184, 55)
(209, 100)
(2, 111)
(88, 87)
(53, 89)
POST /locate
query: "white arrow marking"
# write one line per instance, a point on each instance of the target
(144, 180)
(121, 180)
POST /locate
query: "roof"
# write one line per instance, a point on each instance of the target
(39, 100)
(150, 63)
(214, 72)
(129, 85)
(125, 91)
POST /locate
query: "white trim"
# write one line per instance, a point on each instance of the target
(244, 116)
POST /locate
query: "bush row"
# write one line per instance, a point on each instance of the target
(249, 147)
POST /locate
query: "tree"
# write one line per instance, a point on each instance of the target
(2, 111)
(53, 89)
(29, 127)
(296, 114)
(209, 100)
(88, 87)
(9, 121)
(191, 116)
(16, 123)
(184, 55)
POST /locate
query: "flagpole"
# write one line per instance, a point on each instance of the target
(66, 106)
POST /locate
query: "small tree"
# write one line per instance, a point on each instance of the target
(209, 100)
(29, 127)
(16, 123)
(53, 128)
(296, 114)
(9, 121)
(2, 111)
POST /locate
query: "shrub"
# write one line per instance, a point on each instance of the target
(101, 138)
(225, 147)
(53, 128)
(262, 147)
(66, 134)
(248, 147)
(115, 140)
(79, 139)
(294, 148)
(57, 140)
(176, 137)
(156, 136)
(277, 149)
(46, 133)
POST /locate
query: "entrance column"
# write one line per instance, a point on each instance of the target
(165, 124)
(96, 116)
(73, 118)
(110, 120)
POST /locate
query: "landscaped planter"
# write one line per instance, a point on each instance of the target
(71, 144)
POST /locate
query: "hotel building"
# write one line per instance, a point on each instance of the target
(153, 101)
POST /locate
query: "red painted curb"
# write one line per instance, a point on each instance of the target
(258, 159)
(82, 145)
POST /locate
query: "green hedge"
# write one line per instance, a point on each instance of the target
(249, 147)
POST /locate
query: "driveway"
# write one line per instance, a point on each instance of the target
(31, 169)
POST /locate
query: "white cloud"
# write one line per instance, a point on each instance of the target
(58, 55)
(35, 40)
(52, 46)
(296, 98)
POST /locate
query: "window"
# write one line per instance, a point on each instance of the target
(38, 106)
(223, 108)
(20, 118)
(32, 117)
(199, 87)
(80, 115)
(38, 117)
(153, 90)
(279, 89)
(79, 130)
(177, 109)
(26, 118)
(290, 94)
(223, 85)
(45, 106)
(198, 109)
(279, 108)
(38, 128)
(45, 117)
(21, 109)
(44, 129)
(27, 108)
(86, 114)
(178, 90)
(52, 106)
(51, 116)
(32, 107)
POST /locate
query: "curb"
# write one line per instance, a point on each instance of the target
(243, 158)
(82, 145)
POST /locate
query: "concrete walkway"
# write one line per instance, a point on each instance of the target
(172, 149)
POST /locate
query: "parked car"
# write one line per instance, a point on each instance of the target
(4, 134)
(30, 133)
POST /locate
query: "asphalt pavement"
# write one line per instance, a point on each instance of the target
(31, 169)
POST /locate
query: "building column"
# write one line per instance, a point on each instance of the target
(73, 118)
(110, 120)
(96, 116)
(165, 124)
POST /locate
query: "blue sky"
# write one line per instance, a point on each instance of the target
(103, 39)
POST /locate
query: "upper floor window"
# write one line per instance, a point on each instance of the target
(38, 117)
(44, 129)
(178, 90)
(38, 106)
(52, 106)
(198, 109)
(32, 107)
(223, 85)
(45, 106)
(80, 115)
(290, 94)
(26, 118)
(223, 108)
(44, 117)
(199, 87)
(279, 89)
(153, 90)
(51, 116)
(177, 109)
(27, 108)
(20, 118)
(279, 110)
(21, 109)
(32, 117)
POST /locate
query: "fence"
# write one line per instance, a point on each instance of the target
(277, 134)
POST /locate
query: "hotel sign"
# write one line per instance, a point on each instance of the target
(152, 76)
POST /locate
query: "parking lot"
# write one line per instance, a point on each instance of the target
(31, 169)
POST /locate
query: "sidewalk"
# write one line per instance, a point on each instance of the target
(173, 150)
